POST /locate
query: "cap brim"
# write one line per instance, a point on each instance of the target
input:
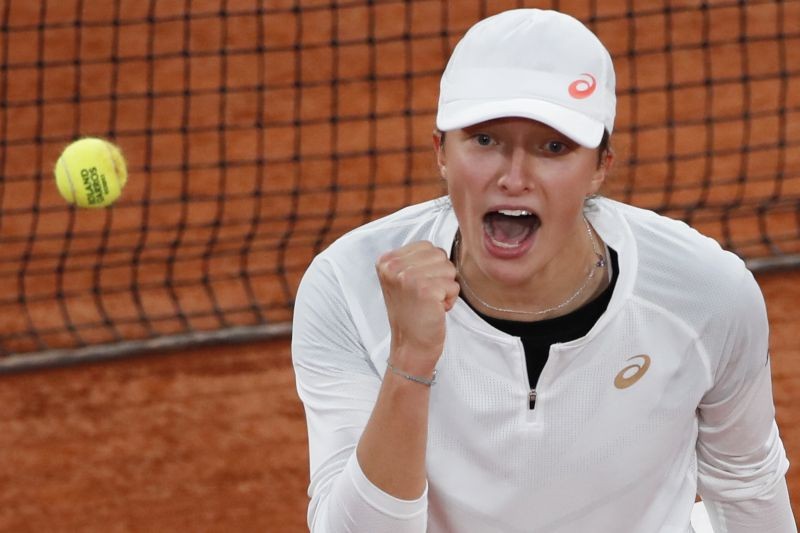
(577, 126)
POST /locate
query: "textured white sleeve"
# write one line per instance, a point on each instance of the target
(338, 386)
(741, 460)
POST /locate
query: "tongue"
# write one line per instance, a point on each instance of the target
(507, 229)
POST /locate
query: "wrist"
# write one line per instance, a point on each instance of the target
(427, 380)
(413, 360)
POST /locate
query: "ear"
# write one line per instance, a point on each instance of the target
(606, 162)
(438, 148)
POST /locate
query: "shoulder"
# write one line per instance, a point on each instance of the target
(696, 283)
(686, 273)
(670, 250)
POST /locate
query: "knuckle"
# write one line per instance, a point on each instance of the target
(389, 256)
(392, 265)
(385, 257)
(402, 278)
(382, 271)
(408, 281)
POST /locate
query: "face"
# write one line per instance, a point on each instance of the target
(518, 188)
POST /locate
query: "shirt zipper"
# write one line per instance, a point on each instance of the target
(531, 399)
(531, 392)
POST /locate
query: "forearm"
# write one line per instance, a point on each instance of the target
(383, 485)
(367, 433)
(770, 513)
(354, 505)
(391, 451)
(741, 459)
(387, 495)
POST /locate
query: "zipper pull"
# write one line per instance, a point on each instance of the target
(531, 399)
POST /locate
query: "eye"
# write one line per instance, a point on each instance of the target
(483, 139)
(556, 147)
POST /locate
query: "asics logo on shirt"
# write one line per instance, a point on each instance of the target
(633, 372)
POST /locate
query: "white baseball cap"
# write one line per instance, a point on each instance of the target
(530, 63)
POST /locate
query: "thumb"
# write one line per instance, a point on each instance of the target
(452, 296)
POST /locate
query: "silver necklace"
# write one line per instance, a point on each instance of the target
(599, 264)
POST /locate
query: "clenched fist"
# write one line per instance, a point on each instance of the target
(419, 286)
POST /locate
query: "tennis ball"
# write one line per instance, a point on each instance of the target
(91, 172)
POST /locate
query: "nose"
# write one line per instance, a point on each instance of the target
(517, 176)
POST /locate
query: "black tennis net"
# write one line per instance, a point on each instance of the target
(257, 132)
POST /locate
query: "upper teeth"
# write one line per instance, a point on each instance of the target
(514, 212)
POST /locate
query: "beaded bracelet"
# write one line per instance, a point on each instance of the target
(415, 379)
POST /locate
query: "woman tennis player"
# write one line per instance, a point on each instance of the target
(523, 355)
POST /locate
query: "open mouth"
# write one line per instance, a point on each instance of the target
(509, 228)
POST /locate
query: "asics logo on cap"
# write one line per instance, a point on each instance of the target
(582, 87)
(633, 372)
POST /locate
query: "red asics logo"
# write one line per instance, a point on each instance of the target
(582, 88)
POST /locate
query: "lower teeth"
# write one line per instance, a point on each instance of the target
(500, 244)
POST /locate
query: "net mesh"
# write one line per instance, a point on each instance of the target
(257, 132)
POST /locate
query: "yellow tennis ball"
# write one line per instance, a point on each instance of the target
(91, 172)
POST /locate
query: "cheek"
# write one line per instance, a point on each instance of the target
(466, 176)
(578, 180)
(458, 190)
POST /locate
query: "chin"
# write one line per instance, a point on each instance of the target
(509, 272)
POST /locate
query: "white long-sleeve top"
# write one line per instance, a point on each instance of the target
(668, 395)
